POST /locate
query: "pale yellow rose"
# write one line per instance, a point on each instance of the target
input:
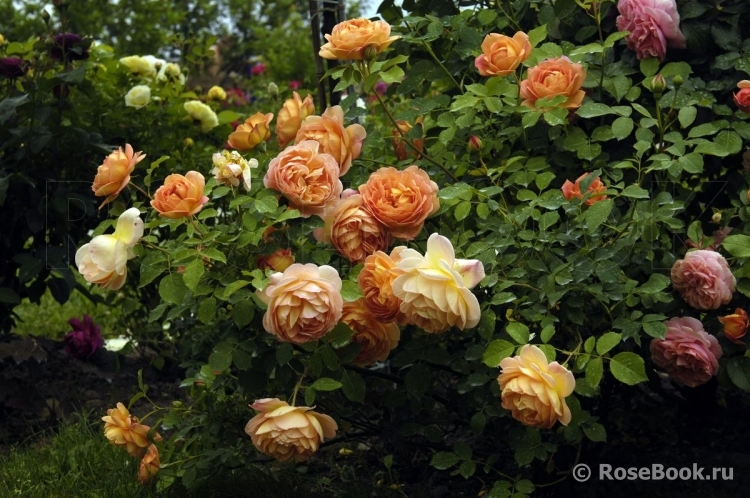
(104, 260)
(350, 40)
(291, 115)
(534, 390)
(171, 72)
(344, 144)
(376, 339)
(203, 115)
(138, 96)
(113, 174)
(434, 288)
(288, 432)
(124, 429)
(138, 65)
(230, 168)
(216, 93)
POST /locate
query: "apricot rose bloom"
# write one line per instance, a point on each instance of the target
(687, 353)
(150, 465)
(344, 144)
(400, 148)
(501, 54)
(376, 339)
(104, 260)
(573, 191)
(180, 196)
(304, 303)
(201, 114)
(376, 279)
(553, 77)
(288, 432)
(255, 129)
(124, 429)
(742, 98)
(350, 39)
(306, 176)
(401, 200)
(534, 390)
(279, 260)
(434, 288)
(735, 325)
(113, 174)
(292, 114)
(230, 168)
(703, 279)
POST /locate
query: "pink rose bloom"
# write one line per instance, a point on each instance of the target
(653, 25)
(258, 69)
(687, 353)
(295, 84)
(703, 279)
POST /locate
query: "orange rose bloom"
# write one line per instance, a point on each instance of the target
(344, 144)
(376, 282)
(501, 54)
(180, 196)
(114, 173)
(571, 190)
(377, 339)
(742, 98)
(255, 129)
(401, 200)
(277, 261)
(286, 432)
(150, 465)
(349, 39)
(354, 232)
(735, 325)
(553, 77)
(291, 115)
(400, 147)
(123, 429)
(306, 176)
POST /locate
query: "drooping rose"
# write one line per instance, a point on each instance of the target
(703, 279)
(742, 98)
(376, 283)
(216, 93)
(401, 200)
(139, 65)
(400, 147)
(138, 96)
(553, 77)
(104, 260)
(344, 144)
(501, 54)
(201, 114)
(255, 129)
(353, 230)
(12, 67)
(735, 325)
(279, 260)
(288, 432)
(434, 289)
(230, 168)
(376, 339)
(149, 466)
(653, 25)
(687, 353)
(534, 390)
(124, 429)
(84, 339)
(292, 114)
(573, 191)
(304, 303)
(113, 174)
(306, 176)
(180, 196)
(350, 39)
(70, 45)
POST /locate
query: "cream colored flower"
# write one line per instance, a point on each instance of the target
(138, 65)
(138, 96)
(202, 114)
(216, 93)
(171, 72)
(285, 432)
(534, 390)
(434, 288)
(230, 168)
(124, 429)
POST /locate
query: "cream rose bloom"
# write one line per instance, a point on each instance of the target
(534, 390)
(104, 260)
(138, 65)
(230, 168)
(285, 432)
(304, 303)
(138, 96)
(434, 288)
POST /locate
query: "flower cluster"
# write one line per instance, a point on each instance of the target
(123, 429)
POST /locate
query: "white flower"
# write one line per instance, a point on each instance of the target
(138, 96)
(231, 167)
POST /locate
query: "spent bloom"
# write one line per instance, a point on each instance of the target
(687, 353)
(573, 190)
(534, 390)
(501, 54)
(84, 339)
(230, 168)
(201, 114)
(138, 96)
(552, 78)
(703, 279)
(288, 432)
(349, 40)
(344, 144)
(113, 174)
(149, 466)
(124, 429)
(653, 25)
(255, 129)
(180, 196)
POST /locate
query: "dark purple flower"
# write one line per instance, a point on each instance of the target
(84, 339)
(258, 69)
(72, 44)
(11, 67)
(381, 87)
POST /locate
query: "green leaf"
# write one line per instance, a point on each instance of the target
(418, 380)
(622, 127)
(595, 432)
(467, 469)
(207, 310)
(635, 192)
(588, 345)
(350, 291)
(687, 116)
(655, 329)
(353, 386)
(597, 213)
(518, 332)
(594, 372)
(243, 312)
(193, 273)
(738, 369)
(462, 210)
(593, 109)
(340, 336)
(536, 35)
(214, 254)
(326, 384)
(172, 289)
(607, 342)
(649, 66)
(496, 351)
(9, 296)
(221, 358)
(266, 204)
(443, 460)
(628, 368)
(228, 116)
(226, 292)
(737, 245)
(393, 75)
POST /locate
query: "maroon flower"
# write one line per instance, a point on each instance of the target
(71, 45)
(258, 69)
(84, 339)
(11, 67)
(295, 84)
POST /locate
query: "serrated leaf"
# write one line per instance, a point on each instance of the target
(518, 332)
(193, 273)
(496, 351)
(595, 432)
(594, 372)
(738, 369)
(326, 384)
(597, 213)
(737, 245)
(353, 386)
(443, 460)
(628, 368)
(172, 289)
(608, 341)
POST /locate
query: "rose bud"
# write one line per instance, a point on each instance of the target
(735, 325)
(475, 143)
(658, 84)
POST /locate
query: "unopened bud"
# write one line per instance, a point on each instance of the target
(273, 89)
(371, 51)
(716, 218)
(188, 142)
(475, 143)
(677, 81)
(658, 84)
(45, 16)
